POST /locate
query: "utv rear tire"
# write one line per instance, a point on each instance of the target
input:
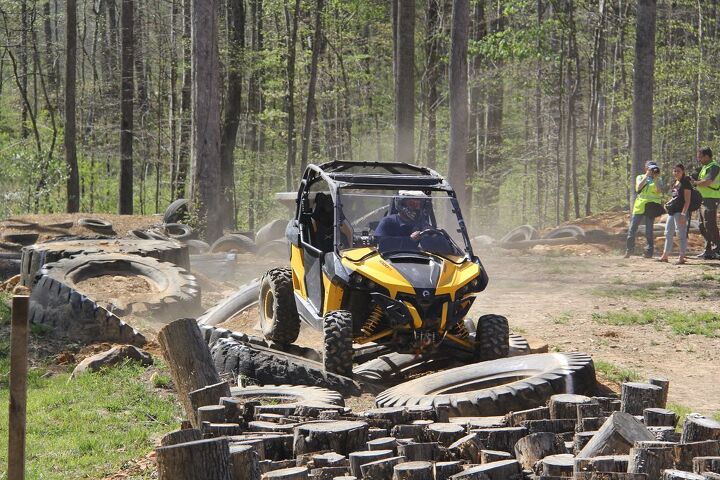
(492, 338)
(338, 349)
(278, 314)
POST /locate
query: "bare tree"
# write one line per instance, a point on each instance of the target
(127, 88)
(205, 187)
(405, 82)
(458, 99)
(310, 110)
(432, 76)
(73, 177)
(291, 26)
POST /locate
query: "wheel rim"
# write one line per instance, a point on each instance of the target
(269, 304)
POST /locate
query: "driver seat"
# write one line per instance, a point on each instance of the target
(322, 217)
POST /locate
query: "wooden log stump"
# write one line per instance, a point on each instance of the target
(211, 414)
(608, 404)
(706, 464)
(329, 459)
(374, 432)
(395, 415)
(189, 361)
(342, 437)
(206, 459)
(383, 443)
(489, 456)
(329, 473)
(591, 424)
(503, 439)
(233, 410)
(413, 471)
(212, 430)
(616, 436)
(650, 458)
(181, 436)
(357, 459)
(680, 475)
(514, 419)
(418, 451)
(244, 463)
(698, 428)
(536, 446)
(683, 453)
(610, 476)
(585, 410)
(602, 463)
(580, 439)
(292, 473)
(445, 470)
(564, 405)
(663, 383)
(502, 470)
(416, 432)
(560, 465)
(444, 433)
(560, 425)
(420, 412)
(665, 434)
(636, 397)
(659, 417)
(271, 427)
(209, 395)
(467, 448)
(328, 415)
(381, 469)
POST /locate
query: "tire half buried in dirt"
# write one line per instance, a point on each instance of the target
(498, 386)
(130, 283)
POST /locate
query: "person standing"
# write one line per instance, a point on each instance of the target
(646, 208)
(678, 211)
(708, 184)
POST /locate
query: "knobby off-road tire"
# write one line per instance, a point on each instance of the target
(278, 314)
(176, 210)
(337, 344)
(565, 232)
(177, 293)
(271, 231)
(289, 394)
(523, 232)
(34, 257)
(492, 337)
(498, 386)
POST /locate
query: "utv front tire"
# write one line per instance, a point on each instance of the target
(338, 349)
(279, 318)
(492, 338)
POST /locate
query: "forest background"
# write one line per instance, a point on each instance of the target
(563, 101)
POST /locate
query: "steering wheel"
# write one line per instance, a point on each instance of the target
(433, 231)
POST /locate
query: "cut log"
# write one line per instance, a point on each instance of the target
(211, 413)
(233, 409)
(342, 437)
(207, 459)
(698, 428)
(330, 459)
(374, 433)
(181, 436)
(581, 439)
(416, 432)
(650, 458)
(489, 456)
(706, 464)
(467, 448)
(420, 412)
(502, 470)
(616, 436)
(244, 463)
(503, 439)
(585, 410)
(188, 358)
(445, 470)
(564, 405)
(418, 451)
(560, 425)
(603, 463)
(209, 395)
(329, 473)
(293, 473)
(684, 453)
(381, 469)
(665, 434)
(383, 443)
(514, 419)
(444, 433)
(395, 415)
(663, 383)
(659, 417)
(257, 444)
(536, 446)
(357, 459)
(212, 430)
(680, 475)
(560, 465)
(591, 424)
(413, 471)
(636, 397)
(610, 476)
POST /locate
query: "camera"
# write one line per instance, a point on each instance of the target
(655, 169)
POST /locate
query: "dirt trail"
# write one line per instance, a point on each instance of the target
(554, 299)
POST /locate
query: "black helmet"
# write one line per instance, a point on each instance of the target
(410, 204)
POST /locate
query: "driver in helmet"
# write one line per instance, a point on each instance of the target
(403, 230)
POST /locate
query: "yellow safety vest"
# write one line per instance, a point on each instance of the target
(712, 190)
(649, 193)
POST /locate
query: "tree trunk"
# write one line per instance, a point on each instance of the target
(459, 100)
(476, 111)
(433, 72)
(310, 110)
(643, 84)
(405, 83)
(73, 178)
(205, 187)
(292, 29)
(593, 111)
(493, 131)
(127, 88)
(22, 53)
(51, 64)
(208, 459)
(185, 101)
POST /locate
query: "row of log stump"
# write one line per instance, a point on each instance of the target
(628, 438)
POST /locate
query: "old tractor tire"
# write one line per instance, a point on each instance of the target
(9, 265)
(34, 257)
(197, 247)
(266, 366)
(274, 249)
(567, 231)
(96, 225)
(523, 232)
(279, 318)
(24, 239)
(176, 292)
(246, 297)
(176, 210)
(271, 231)
(492, 336)
(337, 343)
(288, 394)
(233, 243)
(17, 224)
(179, 231)
(61, 225)
(499, 386)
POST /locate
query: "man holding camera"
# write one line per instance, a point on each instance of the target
(646, 208)
(708, 184)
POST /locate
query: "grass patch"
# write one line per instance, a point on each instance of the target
(4, 308)
(615, 373)
(639, 292)
(681, 322)
(562, 319)
(90, 426)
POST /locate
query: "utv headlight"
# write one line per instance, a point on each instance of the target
(363, 282)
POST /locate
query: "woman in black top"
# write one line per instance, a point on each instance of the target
(677, 209)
